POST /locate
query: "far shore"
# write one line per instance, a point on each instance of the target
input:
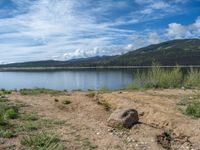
(82, 68)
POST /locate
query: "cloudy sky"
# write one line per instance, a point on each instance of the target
(33, 30)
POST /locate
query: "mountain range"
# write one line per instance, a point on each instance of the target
(176, 52)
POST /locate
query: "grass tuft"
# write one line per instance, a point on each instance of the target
(42, 141)
(192, 79)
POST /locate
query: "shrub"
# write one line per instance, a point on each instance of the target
(11, 114)
(42, 141)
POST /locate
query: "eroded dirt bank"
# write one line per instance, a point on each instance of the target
(86, 120)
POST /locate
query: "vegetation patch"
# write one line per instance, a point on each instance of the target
(40, 91)
(165, 140)
(105, 104)
(190, 105)
(192, 80)
(158, 77)
(42, 141)
(91, 94)
(66, 102)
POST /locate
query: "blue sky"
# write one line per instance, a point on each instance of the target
(32, 30)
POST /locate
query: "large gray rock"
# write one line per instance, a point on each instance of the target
(123, 118)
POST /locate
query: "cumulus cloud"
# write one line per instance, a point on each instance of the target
(179, 31)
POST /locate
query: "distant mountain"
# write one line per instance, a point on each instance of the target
(181, 52)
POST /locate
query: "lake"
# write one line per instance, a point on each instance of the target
(93, 79)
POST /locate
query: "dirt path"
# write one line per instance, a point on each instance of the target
(86, 120)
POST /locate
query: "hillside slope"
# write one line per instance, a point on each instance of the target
(182, 52)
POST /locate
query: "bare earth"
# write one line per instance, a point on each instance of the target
(86, 120)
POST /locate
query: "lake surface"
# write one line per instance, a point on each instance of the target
(67, 80)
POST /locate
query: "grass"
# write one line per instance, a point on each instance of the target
(193, 79)
(190, 105)
(7, 134)
(91, 94)
(105, 104)
(104, 90)
(5, 92)
(193, 110)
(30, 117)
(66, 102)
(39, 91)
(42, 141)
(158, 77)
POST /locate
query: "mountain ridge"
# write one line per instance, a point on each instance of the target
(174, 52)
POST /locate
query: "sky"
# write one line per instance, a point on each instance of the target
(32, 30)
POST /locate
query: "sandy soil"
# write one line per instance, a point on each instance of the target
(86, 120)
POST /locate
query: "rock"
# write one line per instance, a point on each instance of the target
(123, 118)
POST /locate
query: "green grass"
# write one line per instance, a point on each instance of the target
(157, 77)
(190, 105)
(193, 110)
(66, 102)
(30, 117)
(192, 79)
(91, 94)
(7, 133)
(5, 92)
(39, 91)
(42, 141)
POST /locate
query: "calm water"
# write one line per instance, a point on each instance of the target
(69, 80)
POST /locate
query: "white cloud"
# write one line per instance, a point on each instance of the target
(154, 38)
(179, 31)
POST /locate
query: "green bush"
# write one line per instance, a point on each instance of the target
(42, 141)
(11, 113)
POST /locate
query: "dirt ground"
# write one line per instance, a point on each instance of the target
(86, 120)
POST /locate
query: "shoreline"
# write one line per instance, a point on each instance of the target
(4, 69)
